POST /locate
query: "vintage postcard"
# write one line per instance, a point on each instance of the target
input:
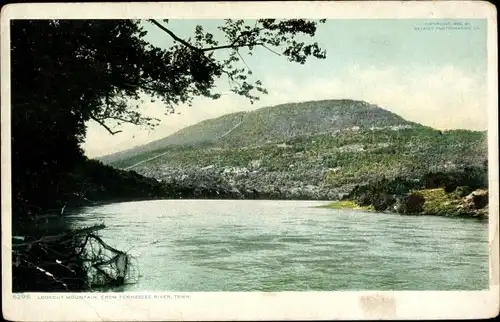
(249, 161)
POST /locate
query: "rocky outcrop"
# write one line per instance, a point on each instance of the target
(438, 202)
(477, 199)
(412, 203)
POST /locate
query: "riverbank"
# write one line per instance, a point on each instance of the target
(455, 193)
(347, 204)
(460, 203)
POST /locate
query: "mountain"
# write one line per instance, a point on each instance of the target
(310, 150)
(273, 123)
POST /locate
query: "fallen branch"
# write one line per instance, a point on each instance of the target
(76, 260)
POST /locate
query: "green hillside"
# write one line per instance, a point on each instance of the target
(273, 124)
(285, 121)
(314, 150)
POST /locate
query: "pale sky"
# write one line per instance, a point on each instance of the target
(435, 77)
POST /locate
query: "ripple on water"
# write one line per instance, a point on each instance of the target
(278, 246)
(294, 239)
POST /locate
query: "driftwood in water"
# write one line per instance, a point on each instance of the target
(58, 237)
(73, 260)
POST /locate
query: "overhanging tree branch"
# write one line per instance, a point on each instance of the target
(174, 36)
(233, 45)
(105, 126)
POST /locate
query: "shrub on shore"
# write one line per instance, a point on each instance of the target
(454, 193)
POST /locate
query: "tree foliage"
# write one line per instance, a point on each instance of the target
(67, 72)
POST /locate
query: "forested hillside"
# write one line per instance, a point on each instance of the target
(272, 124)
(313, 150)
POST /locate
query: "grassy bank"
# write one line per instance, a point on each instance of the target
(347, 204)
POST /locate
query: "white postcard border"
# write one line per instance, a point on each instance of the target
(255, 305)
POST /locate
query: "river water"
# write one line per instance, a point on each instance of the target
(227, 245)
